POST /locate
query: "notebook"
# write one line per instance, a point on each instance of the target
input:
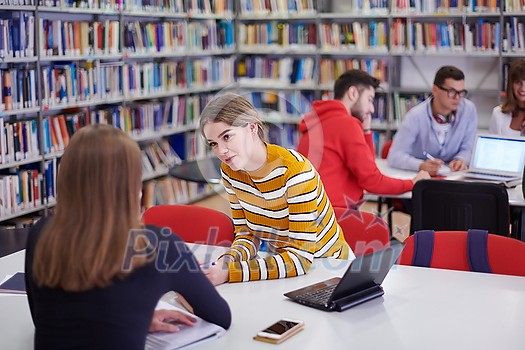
(187, 336)
(361, 282)
(497, 158)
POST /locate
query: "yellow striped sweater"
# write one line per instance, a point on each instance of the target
(284, 204)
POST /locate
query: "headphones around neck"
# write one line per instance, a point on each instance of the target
(444, 119)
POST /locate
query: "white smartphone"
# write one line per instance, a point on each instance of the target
(282, 329)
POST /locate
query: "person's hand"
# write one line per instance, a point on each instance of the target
(431, 166)
(217, 273)
(162, 319)
(457, 165)
(367, 122)
(422, 175)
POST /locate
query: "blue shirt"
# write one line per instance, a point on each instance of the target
(417, 135)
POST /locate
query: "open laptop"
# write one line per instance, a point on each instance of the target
(361, 282)
(497, 158)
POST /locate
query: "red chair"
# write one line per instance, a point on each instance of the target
(395, 204)
(364, 232)
(505, 255)
(386, 149)
(192, 223)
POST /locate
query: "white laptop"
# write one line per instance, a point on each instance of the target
(498, 158)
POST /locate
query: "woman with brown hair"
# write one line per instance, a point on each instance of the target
(509, 118)
(93, 273)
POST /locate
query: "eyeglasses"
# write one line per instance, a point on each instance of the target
(452, 93)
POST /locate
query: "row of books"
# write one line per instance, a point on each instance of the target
(262, 7)
(272, 70)
(332, 69)
(358, 7)
(170, 6)
(27, 188)
(78, 38)
(278, 104)
(140, 37)
(17, 35)
(171, 191)
(217, 7)
(18, 2)
(208, 7)
(293, 105)
(265, 7)
(283, 134)
(445, 6)
(18, 141)
(514, 5)
(18, 89)
(354, 36)
(514, 36)
(157, 156)
(277, 33)
(430, 37)
(380, 138)
(403, 103)
(20, 192)
(71, 83)
(195, 147)
(87, 4)
(139, 121)
(64, 84)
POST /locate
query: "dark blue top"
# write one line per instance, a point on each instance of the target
(119, 316)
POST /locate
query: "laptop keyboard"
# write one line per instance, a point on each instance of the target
(319, 296)
(492, 175)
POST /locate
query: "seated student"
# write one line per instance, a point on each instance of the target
(275, 196)
(438, 131)
(509, 118)
(336, 138)
(88, 284)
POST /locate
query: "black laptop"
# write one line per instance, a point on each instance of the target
(361, 282)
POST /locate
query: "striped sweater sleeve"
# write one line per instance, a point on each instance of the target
(293, 256)
(245, 245)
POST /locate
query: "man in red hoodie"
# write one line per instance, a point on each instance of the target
(337, 140)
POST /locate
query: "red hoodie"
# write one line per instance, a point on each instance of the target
(343, 155)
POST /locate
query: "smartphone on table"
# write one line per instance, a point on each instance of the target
(280, 331)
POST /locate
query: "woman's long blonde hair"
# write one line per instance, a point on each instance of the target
(98, 203)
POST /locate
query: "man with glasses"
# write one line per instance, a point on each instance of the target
(441, 130)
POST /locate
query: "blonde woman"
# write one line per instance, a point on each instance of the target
(275, 196)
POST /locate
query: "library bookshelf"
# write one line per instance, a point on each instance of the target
(150, 66)
(147, 67)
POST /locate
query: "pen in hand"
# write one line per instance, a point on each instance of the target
(208, 265)
(429, 156)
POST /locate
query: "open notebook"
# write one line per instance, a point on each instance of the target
(187, 336)
(497, 158)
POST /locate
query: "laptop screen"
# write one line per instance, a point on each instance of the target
(499, 154)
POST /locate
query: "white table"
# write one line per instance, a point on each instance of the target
(421, 309)
(515, 194)
(516, 199)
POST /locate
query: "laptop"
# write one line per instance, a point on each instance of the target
(497, 158)
(361, 282)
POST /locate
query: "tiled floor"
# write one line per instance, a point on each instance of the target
(401, 222)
